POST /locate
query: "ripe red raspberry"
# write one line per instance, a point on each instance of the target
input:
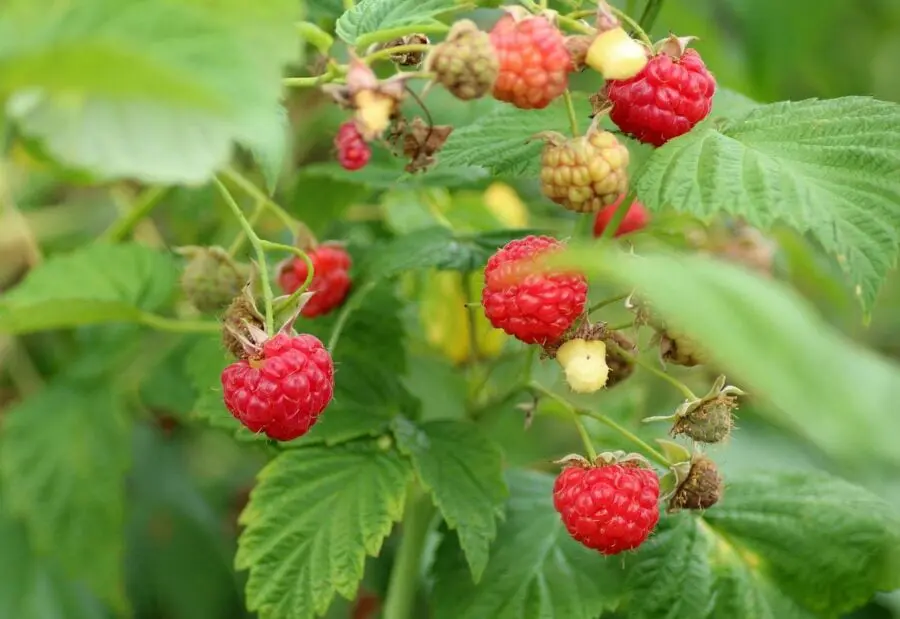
(635, 219)
(331, 278)
(352, 150)
(665, 100)
(610, 508)
(534, 62)
(534, 307)
(284, 389)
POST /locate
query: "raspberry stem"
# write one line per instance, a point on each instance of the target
(239, 240)
(310, 81)
(389, 34)
(123, 226)
(310, 272)
(349, 307)
(656, 455)
(601, 304)
(570, 108)
(256, 193)
(684, 389)
(541, 391)
(258, 250)
(174, 325)
(404, 580)
(636, 28)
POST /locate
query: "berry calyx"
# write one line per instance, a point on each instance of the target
(284, 389)
(584, 364)
(701, 489)
(465, 63)
(666, 99)
(635, 219)
(534, 61)
(353, 151)
(240, 321)
(331, 278)
(586, 173)
(532, 303)
(211, 279)
(609, 507)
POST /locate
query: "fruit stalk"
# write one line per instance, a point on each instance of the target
(241, 238)
(540, 390)
(570, 108)
(684, 389)
(655, 455)
(387, 52)
(310, 271)
(123, 226)
(258, 250)
(404, 581)
(256, 193)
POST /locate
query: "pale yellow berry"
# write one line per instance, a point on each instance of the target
(584, 364)
(615, 55)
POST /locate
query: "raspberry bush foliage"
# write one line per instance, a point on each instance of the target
(428, 308)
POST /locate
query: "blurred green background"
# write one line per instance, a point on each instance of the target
(188, 483)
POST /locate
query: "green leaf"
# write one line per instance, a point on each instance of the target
(33, 587)
(271, 147)
(370, 355)
(94, 284)
(778, 546)
(772, 344)
(827, 544)
(388, 175)
(463, 471)
(438, 247)
(156, 90)
(503, 140)
(823, 167)
(369, 16)
(535, 571)
(672, 577)
(313, 517)
(63, 455)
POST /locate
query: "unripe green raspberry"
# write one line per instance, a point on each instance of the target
(211, 278)
(465, 63)
(702, 488)
(710, 422)
(586, 173)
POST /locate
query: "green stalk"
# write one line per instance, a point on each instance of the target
(404, 580)
(256, 243)
(634, 438)
(145, 203)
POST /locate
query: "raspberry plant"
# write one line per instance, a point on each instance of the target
(346, 319)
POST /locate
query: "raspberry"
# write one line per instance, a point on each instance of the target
(665, 100)
(584, 364)
(331, 280)
(534, 62)
(710, 422)
(635, 219)
(702, 488)
(353, 151)
(586, 173)
(284, 389)
(535, 307)
(465, 63)
(211, 279)
(610, 508)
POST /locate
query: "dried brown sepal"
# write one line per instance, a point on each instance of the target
(673, 46)
(421, 143)
(240, 320)
(577, 45)
(702, 488)
(408, 59)
(620, 366)
(600, 104)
